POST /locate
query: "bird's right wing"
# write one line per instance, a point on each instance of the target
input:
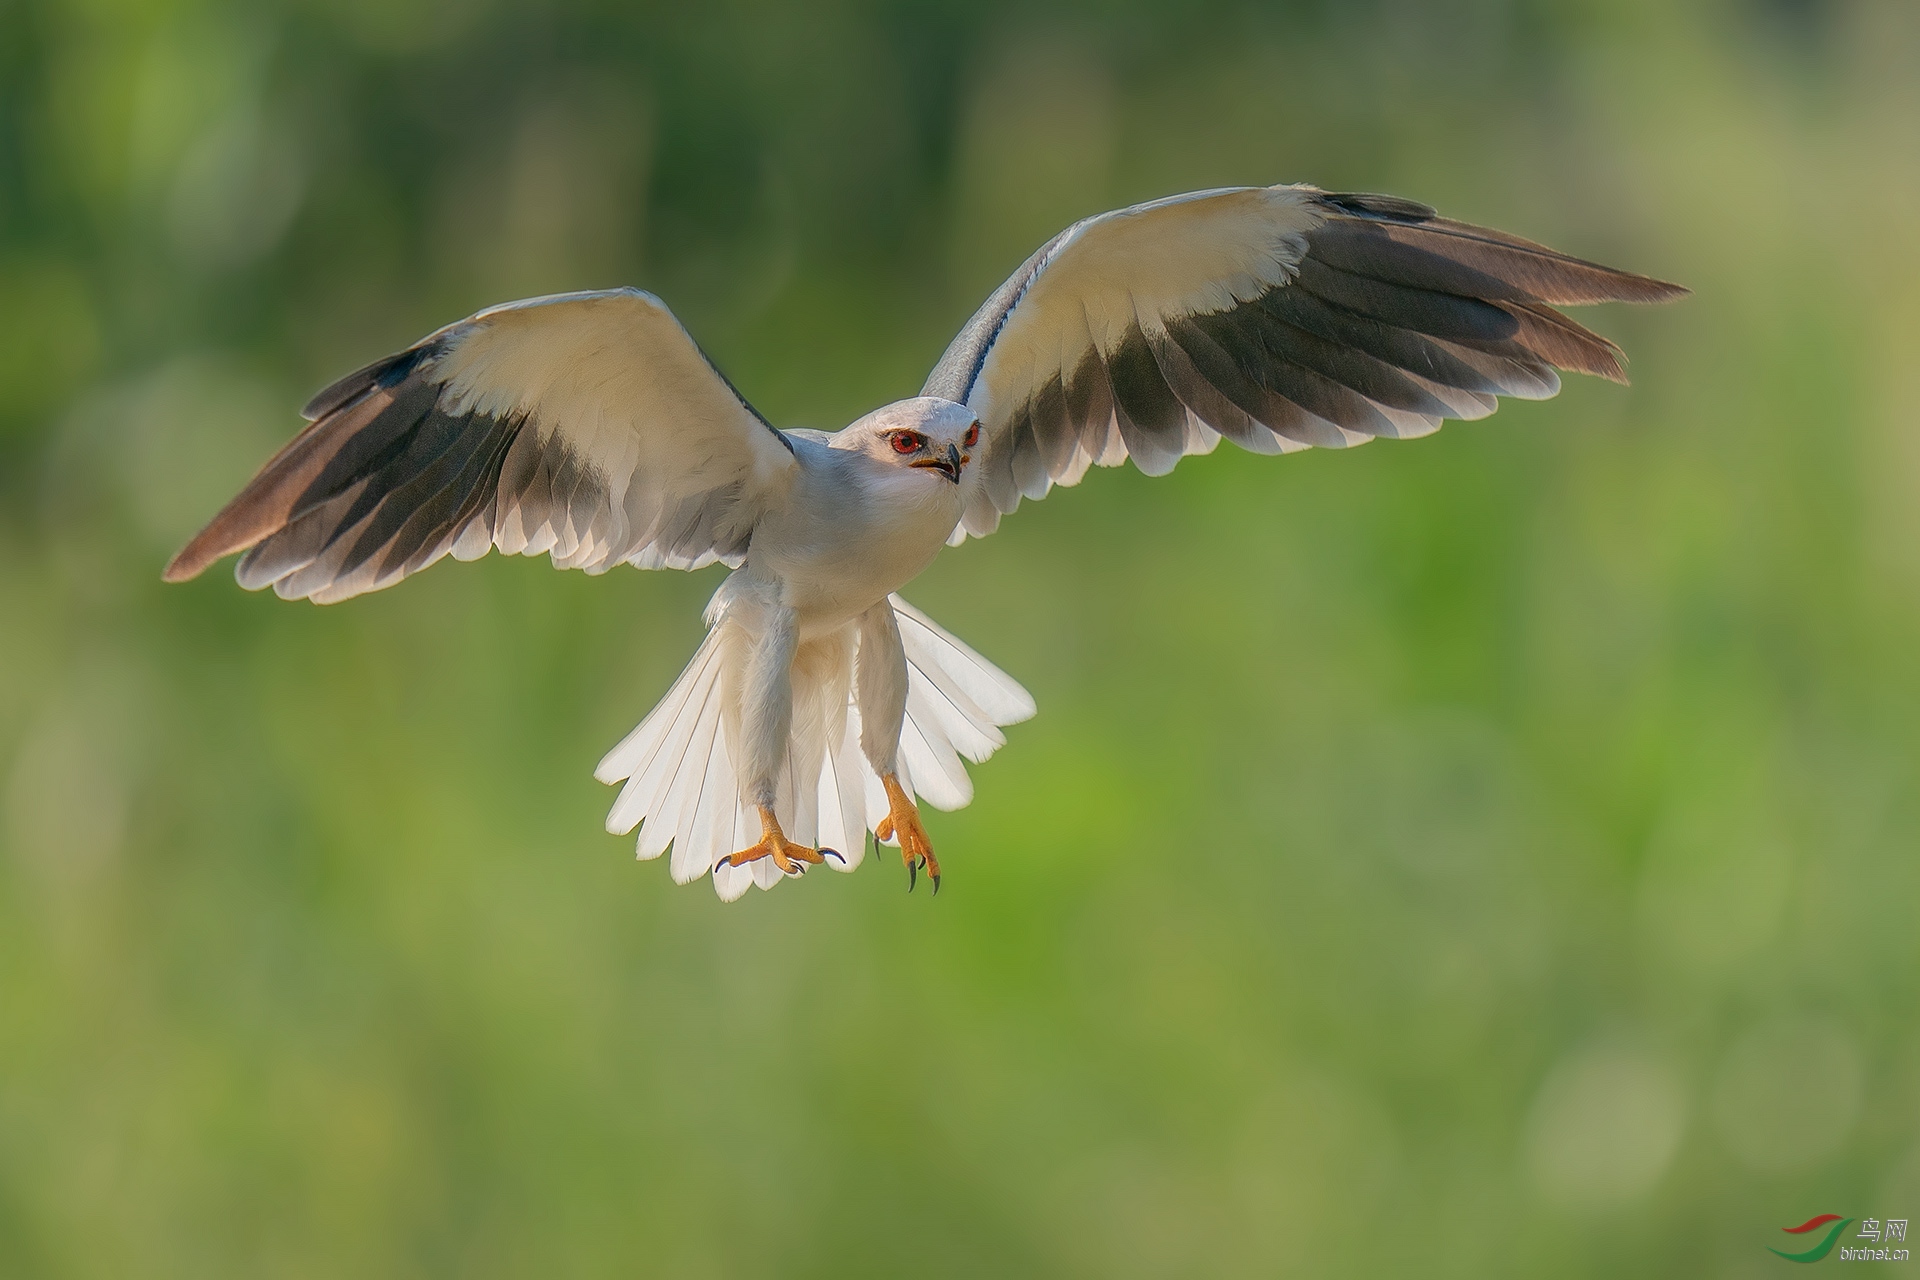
(1276, 317)
(588, 426)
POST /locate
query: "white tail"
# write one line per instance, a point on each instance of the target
(678, 763)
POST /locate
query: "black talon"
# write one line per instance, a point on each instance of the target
(936, 885)
(834, 854)
(913, 873)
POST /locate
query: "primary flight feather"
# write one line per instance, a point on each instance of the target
(590, 427)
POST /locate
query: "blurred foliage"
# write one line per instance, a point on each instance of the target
(1486, 855)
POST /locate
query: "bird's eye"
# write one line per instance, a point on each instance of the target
(972, 437)
(906, 442)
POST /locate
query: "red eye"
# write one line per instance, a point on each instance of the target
(972, 437)
(906, 442)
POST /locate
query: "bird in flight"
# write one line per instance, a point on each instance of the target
(591, 427)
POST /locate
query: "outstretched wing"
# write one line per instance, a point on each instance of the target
(588, 426)
(1278, 317)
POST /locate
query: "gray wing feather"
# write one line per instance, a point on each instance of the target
(1278, 318)
(585, 426)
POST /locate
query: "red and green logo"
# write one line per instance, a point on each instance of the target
(1811, 1225)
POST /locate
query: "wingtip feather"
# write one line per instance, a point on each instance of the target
(1661, 291)
(182, 568)
(218, 539)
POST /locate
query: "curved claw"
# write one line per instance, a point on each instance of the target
(902, 821)
(834, 854)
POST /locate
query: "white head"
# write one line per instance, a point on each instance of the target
(926, 435)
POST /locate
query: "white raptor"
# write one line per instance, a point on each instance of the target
(590, 427)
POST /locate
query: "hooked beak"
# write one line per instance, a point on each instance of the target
(948, 466)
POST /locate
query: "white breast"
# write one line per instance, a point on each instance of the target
(854, 532)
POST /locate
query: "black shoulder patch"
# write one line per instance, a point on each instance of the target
(1373, 206)
(388, 371)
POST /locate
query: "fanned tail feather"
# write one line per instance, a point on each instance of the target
(678, 764)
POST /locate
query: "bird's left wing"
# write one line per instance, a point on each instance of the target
(1277, 317)
(588, 426)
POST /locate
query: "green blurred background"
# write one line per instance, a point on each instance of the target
(1487, 855)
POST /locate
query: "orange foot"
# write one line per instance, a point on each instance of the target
(904, 819)
(774, 844)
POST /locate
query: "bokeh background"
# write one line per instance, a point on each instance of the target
(1491, 855)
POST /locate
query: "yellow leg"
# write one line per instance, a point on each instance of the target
(774, 844)
(903, 819)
